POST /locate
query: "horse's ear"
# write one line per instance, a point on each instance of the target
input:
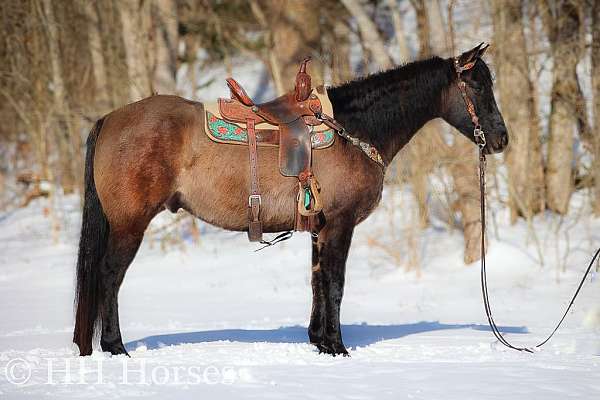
(482, 50)
(467, 59)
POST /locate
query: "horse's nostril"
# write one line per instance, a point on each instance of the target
(498, 143)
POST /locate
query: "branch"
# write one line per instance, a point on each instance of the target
(369, 33)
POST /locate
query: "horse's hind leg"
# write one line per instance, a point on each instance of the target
(122, 247)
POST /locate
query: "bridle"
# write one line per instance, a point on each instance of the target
(480, 140)
(462, 86)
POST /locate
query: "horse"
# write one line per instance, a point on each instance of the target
(151, 156)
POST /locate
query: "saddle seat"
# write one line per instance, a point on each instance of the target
(292, 113)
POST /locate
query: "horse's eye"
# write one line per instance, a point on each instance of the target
(476, 86)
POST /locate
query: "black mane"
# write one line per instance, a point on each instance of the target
(384, 108)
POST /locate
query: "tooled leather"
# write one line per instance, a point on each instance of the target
(295, 149)
(254, 226)
(276, 112)
(238, 91)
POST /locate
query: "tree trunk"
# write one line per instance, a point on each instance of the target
(77, 65)
(596, 94)
(419, 148)
(164, 18)
(565, 41)
(191, 51)
(271, 58)
(63, 125)
(399, 33)
(296, 35)
(369, 33)
(2, 179)
(423, 27)
(136, 20)
(462, 155)
(113, 51)
(440, 42)
(463, 169)
(517, 100)
(341, 70)
(98, 65)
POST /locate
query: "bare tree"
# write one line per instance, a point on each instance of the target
(596, 94)
(563, 22)
(97, 57)
(517, 99)
(462, 165)
(440, 37)
(399, 33)
(114, 53)
(423, 27)
(369, 33)
(418, 150)
(64, 127)
(296, 35)
(136, 19)
(164, 17)
(24, 76)
(462, 156)
(341, 70)
(272, 59)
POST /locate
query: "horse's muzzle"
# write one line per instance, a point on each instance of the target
(496, 143)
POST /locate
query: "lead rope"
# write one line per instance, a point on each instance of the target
(479, 138)
(279, 238)
(484, 289)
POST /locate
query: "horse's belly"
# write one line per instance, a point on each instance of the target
(215, 184)
(215, 188)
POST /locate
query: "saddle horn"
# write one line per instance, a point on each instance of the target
(303, 86)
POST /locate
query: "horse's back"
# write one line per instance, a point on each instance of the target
(157, 115)
(139, 152)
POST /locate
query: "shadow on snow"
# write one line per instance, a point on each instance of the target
(357, 335)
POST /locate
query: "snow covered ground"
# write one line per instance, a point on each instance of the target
(215, 320)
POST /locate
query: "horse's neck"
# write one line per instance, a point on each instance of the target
(393, 115)
(408, 127)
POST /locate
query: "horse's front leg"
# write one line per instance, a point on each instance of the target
(330, 252)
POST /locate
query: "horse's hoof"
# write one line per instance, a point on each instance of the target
(114, 348)
(333, 349)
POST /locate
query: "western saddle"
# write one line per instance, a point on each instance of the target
(294, 114)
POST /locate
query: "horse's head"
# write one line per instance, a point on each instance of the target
(475, 74)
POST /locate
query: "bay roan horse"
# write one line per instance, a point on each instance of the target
(152, 155)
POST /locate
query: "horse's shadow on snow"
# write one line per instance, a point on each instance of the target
(357, 335)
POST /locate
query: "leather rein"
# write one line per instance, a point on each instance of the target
(480, 140)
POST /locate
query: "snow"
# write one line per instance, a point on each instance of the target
(214, 319)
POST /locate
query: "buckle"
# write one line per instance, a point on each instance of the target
(479, 137)
(254, 196)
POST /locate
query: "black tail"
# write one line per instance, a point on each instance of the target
(92, 246)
